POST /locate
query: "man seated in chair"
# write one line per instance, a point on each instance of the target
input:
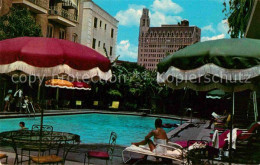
(160, 137)
(218, 118)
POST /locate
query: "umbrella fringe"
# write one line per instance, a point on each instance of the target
(210, 69)
(54, 71)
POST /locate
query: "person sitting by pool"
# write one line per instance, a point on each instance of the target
(22, 125)
(160, 137)
(217, 118)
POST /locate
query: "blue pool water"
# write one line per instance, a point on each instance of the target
(94, 128)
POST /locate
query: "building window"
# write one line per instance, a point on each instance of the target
(98, 43)
(111, 50)
(105, 26)
(62, 34)
(49, 31)
(94, 43)
(100, 24)
(75, 37)
(143, 22)
(95, 22)
(112, 33)
(104, 45)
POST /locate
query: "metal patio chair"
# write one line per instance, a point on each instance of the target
(104, 155)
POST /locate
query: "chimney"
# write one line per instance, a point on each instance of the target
(184, 23)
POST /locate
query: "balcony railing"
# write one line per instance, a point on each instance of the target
(69, 4)
(55, 10)
(41, 3)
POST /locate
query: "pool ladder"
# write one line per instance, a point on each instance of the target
(28, 109)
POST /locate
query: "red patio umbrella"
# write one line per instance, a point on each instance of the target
(46, 57)
(81, 85)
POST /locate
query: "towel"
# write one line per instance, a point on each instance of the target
(146, 150)
(159, 149)
(215, 140)
(234, 138)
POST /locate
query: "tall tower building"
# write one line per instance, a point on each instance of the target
(155, 43)
(145, 21)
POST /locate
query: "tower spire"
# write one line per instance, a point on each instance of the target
(145, 20)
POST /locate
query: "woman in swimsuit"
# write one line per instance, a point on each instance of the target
(160, 137)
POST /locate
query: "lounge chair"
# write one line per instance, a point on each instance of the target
(173, 152)
(222, 140)
(115, 105)
(95, 103)
(249, 132)
(78, 103)
(245, 134)
(98, 104)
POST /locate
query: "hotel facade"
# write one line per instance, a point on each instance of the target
(155, 43)
(97, 29)
(55, 17)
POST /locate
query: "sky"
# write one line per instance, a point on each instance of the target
(206, 14)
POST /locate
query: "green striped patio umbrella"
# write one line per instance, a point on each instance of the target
(231, 65)
(215, 94)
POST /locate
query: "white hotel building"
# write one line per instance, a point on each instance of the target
(97, 28)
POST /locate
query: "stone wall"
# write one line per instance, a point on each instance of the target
(5, 6)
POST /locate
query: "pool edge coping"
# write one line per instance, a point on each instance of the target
(89, 111)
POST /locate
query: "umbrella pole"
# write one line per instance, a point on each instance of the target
(38, 92)
(41, 125)
(57, 96)
(255, 105)
(38, 100)
(231, 127)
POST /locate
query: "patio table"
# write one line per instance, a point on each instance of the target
(25, 138)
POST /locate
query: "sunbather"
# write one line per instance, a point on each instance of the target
(160, 137)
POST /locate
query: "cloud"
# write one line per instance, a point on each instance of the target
(166, 6)
(221, 36)
(162, 12)
(223, 27)
(222, 30)
(208, 28)
(157, 19)
(127, 51)
(131, 16)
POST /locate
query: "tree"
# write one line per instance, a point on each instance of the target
(18, 23)
(237, 13)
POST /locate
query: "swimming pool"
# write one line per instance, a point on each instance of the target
(94, 128)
